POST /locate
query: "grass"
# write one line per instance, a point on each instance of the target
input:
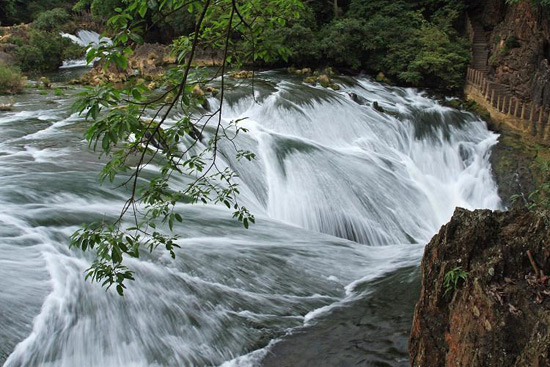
(453, 277)
(11, 80)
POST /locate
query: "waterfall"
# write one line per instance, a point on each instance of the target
(342, 193)
(83, 38)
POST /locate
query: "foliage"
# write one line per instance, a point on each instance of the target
(100, 9)
(45, 51)
(542, 3)
(191, 145)
(20, 11)
(51, 20)
(413, 42)
(440, 60)
(540, 197)
(452, 277)
(11, 80)
(343, 42)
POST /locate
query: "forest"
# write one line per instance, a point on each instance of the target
(414, 43)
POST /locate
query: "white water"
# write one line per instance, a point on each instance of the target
(83, 38)
(86, 38)
(343, 194)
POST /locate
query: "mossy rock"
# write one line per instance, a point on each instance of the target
(381, 78)
(324, 80)
(311, 80)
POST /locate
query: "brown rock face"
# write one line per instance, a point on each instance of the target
(519, 42)
(499, 316)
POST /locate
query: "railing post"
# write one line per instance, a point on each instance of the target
(492, 97)
(540, 122)
(523, 108)
(498, 103)
(516, 107)
(532, 115)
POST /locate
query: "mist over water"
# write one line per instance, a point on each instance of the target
(342, 193)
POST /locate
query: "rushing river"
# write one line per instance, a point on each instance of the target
(344, 197)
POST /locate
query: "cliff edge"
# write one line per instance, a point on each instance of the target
(498, 314)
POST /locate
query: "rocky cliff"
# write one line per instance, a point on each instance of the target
(519, 44)
(498, 314)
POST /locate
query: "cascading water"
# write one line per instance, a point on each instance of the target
(83, 38)
(343, 194)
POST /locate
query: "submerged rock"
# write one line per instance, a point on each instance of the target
(377, 107)
(498, 314)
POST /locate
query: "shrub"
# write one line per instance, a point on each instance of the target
(51, 20)
(343, 42)
(45, 51)
(439, 62)
(11, 80)
(101, 9)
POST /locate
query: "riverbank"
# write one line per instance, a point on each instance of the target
(519, 157)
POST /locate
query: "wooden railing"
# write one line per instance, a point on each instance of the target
(527, 116)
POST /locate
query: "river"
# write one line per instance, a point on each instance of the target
(345, 198)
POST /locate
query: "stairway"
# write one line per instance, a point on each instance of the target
(480, 49)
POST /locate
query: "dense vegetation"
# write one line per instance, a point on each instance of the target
(411, 42)
(11, 80)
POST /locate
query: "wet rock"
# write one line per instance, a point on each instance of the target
(381, 78)
(213, 91)
(377, 107)
(6, 107)
(357, 99)
(311, 80)
(304, 71)
(494, 320)
(197, 91)
(243, 74)
(324, 80)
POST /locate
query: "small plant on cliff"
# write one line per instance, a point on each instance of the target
(453, 277)
(540, 197)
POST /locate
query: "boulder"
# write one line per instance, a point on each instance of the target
(498, 313)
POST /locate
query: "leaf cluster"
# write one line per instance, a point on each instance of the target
(453, 277)
(132, 127)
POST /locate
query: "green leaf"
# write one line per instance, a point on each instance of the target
(143, 9)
